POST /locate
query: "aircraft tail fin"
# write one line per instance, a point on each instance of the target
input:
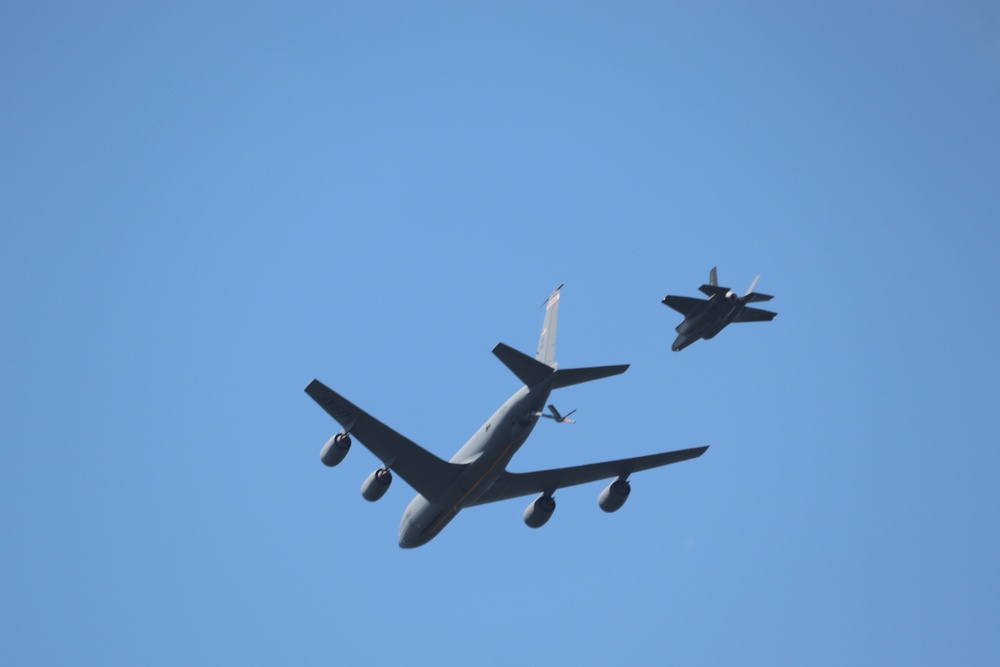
(529, 371)
(547, 341)
(713, 277)
(752, 296)
(535, 371)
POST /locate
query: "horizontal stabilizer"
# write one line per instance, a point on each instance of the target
(757, 296)
(755, 315)
(529, 371)
(570, 376)
(713, 290)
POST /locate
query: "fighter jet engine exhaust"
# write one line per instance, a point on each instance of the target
(376, 485)
(335, 449)
(540, 511)
(614, 496)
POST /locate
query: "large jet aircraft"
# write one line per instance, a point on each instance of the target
(478, 474)
(705, 318)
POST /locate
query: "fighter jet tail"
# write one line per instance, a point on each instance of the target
(756, 296)
(750, 296)
(712, 288)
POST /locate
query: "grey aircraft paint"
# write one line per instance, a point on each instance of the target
(477, 473)
(704, 318)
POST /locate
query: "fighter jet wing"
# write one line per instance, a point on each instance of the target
(683, 304)
(755, 315)
(426, 473)
(514, 484)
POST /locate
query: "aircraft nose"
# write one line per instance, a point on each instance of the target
(408, 539)
(409, 536)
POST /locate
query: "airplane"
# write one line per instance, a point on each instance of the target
(477, 474)
(706, 318)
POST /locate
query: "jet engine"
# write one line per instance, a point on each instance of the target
(540, 511)
(614, 496)
(376, 485)
(335, 449)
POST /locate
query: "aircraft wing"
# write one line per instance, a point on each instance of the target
(515, 484)
(426, 473)
(682, 304)
(755, 315)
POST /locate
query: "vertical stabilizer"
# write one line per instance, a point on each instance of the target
(547, 341)
(713, 277)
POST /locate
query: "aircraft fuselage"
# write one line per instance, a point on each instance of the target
(708, 320)
(487, 454)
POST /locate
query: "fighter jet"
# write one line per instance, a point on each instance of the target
(705, 318)
(477, 473)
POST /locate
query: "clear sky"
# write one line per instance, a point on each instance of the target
(205, 207)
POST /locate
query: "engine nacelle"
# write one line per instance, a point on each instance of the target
(540, 511)
(614, 496)
(376, 485)
(335, 449)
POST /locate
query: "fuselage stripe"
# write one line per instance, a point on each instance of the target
(454, 509)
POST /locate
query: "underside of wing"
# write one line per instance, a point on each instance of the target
(426, 473)
(515, 485)
(683, 304)
(755, 315)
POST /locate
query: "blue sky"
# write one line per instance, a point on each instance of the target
(204, 208)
